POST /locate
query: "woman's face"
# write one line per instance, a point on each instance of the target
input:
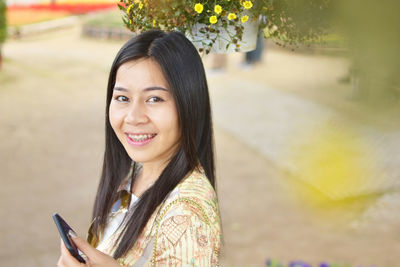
(143, 112)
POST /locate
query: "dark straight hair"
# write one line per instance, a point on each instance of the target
(183, 69)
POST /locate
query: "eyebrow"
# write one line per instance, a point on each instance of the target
(151, 88)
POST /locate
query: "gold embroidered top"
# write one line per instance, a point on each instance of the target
(183, 231)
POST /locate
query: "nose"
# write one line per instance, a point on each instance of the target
(136, 113)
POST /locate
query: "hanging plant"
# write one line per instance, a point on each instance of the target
(214, 20)
(212, 23)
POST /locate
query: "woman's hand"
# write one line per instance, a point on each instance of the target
(94, 257)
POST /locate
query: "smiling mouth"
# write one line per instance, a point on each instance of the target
(141, 137)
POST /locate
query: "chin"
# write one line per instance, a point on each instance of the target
(138, 158)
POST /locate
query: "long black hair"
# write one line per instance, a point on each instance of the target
(183, 69)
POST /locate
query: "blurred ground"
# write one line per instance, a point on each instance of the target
(52, 94)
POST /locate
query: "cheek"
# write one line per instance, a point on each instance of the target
(115, 118)
(167, 122)
(177, 127)
(174, 124)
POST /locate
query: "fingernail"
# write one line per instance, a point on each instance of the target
(72, 234)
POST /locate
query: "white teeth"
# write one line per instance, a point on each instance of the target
(141, 137)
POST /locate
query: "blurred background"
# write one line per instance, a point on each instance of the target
(307, 135)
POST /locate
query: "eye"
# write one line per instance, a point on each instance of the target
(155, 99)
(121, 98)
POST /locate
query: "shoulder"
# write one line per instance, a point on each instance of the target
(189, 222)
(197, 185)
(196, 195)
(195, 200)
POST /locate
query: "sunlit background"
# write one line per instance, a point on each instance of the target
(307, 139)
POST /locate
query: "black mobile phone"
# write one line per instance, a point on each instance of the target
(64, 228)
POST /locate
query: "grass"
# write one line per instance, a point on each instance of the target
(109, 19)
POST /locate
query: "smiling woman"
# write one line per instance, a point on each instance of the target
(156, 203)
(143, 113)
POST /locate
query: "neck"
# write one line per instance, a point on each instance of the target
(151, 173)
(148, 175)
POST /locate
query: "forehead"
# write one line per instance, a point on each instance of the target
(139, 74)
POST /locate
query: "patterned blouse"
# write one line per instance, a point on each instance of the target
(185, 230)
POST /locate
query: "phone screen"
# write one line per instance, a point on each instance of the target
(64, 228)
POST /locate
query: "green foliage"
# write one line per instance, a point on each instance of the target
(3, 24)
(293, 22)
(374, 39)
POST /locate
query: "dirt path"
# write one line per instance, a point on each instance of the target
(52, 92)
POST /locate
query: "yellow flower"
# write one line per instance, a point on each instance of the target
(231, 16)
(247, 4)
(140, 5)
(154, 22)
(244, 18)
(213, 19)
(218, 9)
(198, 8)
(129, 9)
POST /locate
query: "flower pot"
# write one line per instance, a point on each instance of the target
(248, 42)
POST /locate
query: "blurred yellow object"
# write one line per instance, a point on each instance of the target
(22, 17)
(336, 162)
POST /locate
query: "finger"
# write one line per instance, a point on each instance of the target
(83, 246)
(64, 250)
(66, 258)
(60, 262)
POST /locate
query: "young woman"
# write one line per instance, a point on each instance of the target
(156, 204)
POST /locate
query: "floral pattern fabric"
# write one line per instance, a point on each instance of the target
(183, 231)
